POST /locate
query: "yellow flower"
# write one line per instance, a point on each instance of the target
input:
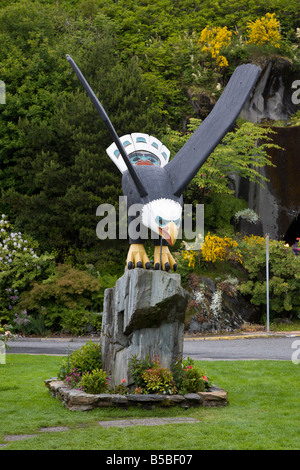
(265, 30)
(212, 40)
(191, 256)
(218, 249)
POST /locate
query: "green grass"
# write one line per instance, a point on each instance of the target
(263, 411)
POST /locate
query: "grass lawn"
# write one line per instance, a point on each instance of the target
(263, 411)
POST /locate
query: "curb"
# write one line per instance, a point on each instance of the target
(244, 336)
(57, 340)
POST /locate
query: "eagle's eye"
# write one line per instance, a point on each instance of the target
(161, 222)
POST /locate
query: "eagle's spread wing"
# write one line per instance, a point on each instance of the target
(138, 183)
(186, 163)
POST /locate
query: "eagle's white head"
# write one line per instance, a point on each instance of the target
(163, 216)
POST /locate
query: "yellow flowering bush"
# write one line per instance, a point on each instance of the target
(219, 249)
(213, 40)
(191, 257)
(265, 30)
(253, 240)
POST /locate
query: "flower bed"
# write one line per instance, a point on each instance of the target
(78, 400)
(83, 385)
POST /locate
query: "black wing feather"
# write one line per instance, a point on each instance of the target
(186, 163)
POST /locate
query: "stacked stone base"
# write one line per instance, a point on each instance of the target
(77, 400)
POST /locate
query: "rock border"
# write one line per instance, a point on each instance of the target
(77, 400)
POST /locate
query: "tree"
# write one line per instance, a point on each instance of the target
(242, 152)
(54, 168)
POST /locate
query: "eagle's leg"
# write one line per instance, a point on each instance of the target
(167, 260)
(137, 257)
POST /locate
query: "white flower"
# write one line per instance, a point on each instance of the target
(216, 303)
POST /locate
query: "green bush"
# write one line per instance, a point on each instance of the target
(284, 274)
(183, 377)
(84, 359)
(138, 367)
(188, 378)
(159, 380)
(219, 211)
(66, 299)
(94, 381)
(193, 381)
(75, 321)
(20, 265)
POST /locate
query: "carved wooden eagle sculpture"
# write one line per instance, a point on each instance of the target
(149, 179)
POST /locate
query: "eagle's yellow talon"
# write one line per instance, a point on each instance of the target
(167, 260)
(137, 257)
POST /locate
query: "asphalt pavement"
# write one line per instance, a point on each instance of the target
(247, 346)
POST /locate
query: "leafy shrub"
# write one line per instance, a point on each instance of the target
(138, 367)
(193, 381)
(76, 320)
(20, 265)
(86, 358)
(150, 377)
(284, 273)
(217, 248)
(219, 211)
(183, 377)
(94, 381)
(121, 389)
(159, 380)
(188, 378)
(66, 299)
(73, 379)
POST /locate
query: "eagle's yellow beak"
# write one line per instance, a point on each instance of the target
(169, 232)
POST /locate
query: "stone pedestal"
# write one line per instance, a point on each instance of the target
(143, 315)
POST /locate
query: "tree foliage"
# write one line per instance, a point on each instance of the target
(242, 152)
(144, 61)
(53, 166)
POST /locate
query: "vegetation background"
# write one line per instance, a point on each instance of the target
(155, 66)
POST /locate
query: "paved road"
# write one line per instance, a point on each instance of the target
(270, 348)
(236, 348)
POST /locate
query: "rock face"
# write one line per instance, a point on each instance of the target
(278, 202)
(217, 306)
(272, 96)
(143, 315)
